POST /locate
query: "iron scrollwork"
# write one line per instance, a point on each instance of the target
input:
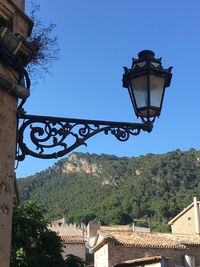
(53, 137)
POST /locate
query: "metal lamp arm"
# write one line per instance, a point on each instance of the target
(53, 137)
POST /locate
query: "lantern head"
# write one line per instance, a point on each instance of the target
(146, 82)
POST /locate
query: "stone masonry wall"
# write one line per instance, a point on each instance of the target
(120, 254)
(185, 223)
(63, 229)
(8, 123)
(75, 249)
(19, 3)
(8, 106)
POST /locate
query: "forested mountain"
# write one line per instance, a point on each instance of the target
(117, 189)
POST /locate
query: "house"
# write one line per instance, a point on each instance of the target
(129, 245)
(73, 237)
(95, 225)
(155, 261)
(188, 220)
(124, 244)
(112, 247)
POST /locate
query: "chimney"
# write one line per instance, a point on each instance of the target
(92, 228)
(196, 216)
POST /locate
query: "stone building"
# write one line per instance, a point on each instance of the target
(73, 245)
(188, 220)
(127, 245)
(13, 21)
(115, 245)
(73, 237)
(63, 229)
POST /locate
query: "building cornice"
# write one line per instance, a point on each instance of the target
(24, 16)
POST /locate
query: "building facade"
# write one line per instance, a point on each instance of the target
(114, 247)
(188, 220)
(73, 245)
(73, 237)
(63, 229)
(12, 15)
(118, 244)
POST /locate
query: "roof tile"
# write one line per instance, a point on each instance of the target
(72, 239)
(151, 240)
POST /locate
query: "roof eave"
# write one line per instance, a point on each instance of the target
(101, 244)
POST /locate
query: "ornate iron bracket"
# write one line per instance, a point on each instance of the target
(47, 134)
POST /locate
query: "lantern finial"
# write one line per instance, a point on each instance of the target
(146, 54)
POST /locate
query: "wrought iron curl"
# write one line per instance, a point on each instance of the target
(41, 135)
(87, 129)
(123, 133)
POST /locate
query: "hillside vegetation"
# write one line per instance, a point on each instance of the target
(117, 190)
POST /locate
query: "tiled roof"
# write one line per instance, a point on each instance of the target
(141, 260)
(150, 240)
(188, 240)
(72, 239)
(116, 228)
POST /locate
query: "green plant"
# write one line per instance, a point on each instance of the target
(44, 43)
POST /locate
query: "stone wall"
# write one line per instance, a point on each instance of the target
(12, 10)
(92, 228)
(185, 223)
(19, 3)
(63, 229)
(75, 249)
(8, 107)
(119, 254)
(12, 14)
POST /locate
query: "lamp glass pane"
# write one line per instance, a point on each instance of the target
(156, 90)
(139, 87)
(139, 64)
(155, 64)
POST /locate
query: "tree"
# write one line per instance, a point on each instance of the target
(32, 243)
(74, 261)
(84, 216)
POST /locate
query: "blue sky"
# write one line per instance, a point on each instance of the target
(98, 38)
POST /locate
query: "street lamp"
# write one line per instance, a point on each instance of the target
(53, 137)
(146, 82)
